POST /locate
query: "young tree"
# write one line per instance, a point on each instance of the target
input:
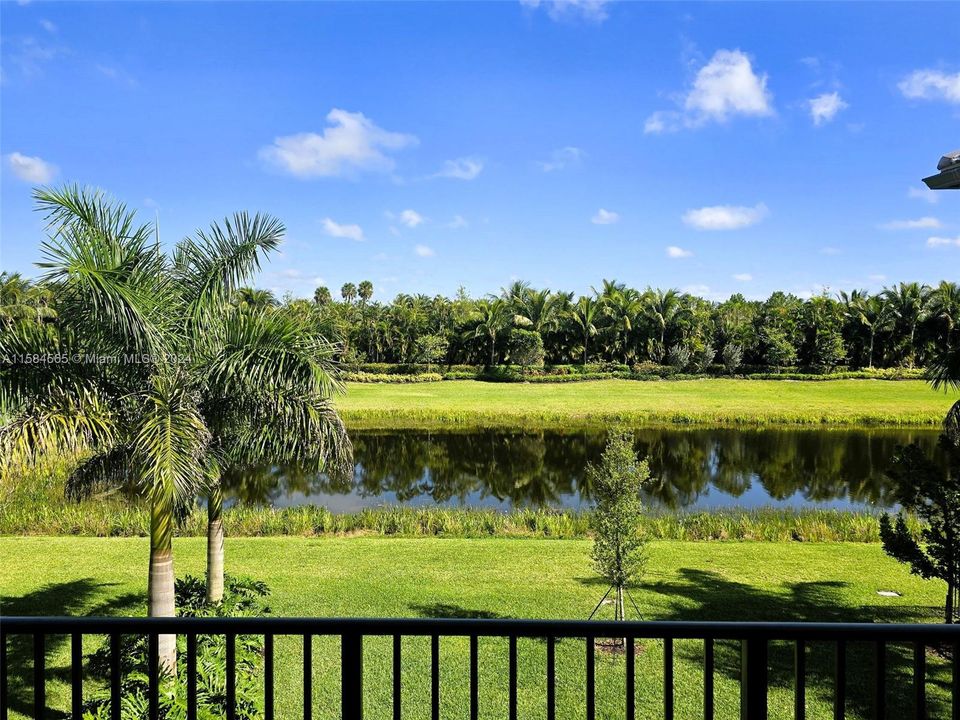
(431, 349)
(619, 546)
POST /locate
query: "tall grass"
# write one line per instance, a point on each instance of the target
(119, 519)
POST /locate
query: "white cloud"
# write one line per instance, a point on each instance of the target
(335, 229)
(424, 251)
(931, 85)
(411, 218)
(31, 169)
(117, 75)
(663, 121)
(923, 193)
(830, 251)
(877, 277)
(725, 217)
(465, 168)
(728, 86)
(724, 87)
(924, 223)
(697, 290)
(459, 221)
(605, 217)
(351, 143)
(825, 107)
(943, 241)
(565, 10)
(677, 252)
(562, 158)
(743, 277)
(48, 26)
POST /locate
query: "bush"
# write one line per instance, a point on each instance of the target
(526, 347)
(242, 597)
(363, 377)
(732, 357)
(679, 357)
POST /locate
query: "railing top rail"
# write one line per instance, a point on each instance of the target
(484, 627)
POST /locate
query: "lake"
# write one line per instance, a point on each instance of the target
(693, 468)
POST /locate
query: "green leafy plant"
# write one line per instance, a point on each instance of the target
(242, 597)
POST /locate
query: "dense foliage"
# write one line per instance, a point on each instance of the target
(242, 597)
(902, 326)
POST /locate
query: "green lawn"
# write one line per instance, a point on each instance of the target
(502, 578)
(870, 402)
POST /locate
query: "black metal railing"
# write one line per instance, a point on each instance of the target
(754, 641)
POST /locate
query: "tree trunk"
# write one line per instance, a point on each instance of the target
(586, 345)
(493, 348)
(215, 545)
(620, 614)
(160, 584)
(872, 333)
(948, 611)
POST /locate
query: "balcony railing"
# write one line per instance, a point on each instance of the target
(754, 640)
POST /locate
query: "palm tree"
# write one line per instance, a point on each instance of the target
(907, 302)
(943, 307)
(265, 380)
(348, 292)
(622, 306)
(539, 310)
(868, 311)
(247, 298)
(189, 385)
(585, 314)
(365, 291)
(21, 300)
(662, 309)
(321, 296)
(493, 316)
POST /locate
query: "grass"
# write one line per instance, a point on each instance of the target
(707, 401)
(121, 519)
(502, 578)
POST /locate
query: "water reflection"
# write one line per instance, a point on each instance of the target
(693, 468)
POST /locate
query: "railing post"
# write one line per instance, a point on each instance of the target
(351, 676)
(753, 679)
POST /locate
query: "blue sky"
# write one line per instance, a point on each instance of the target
(716, 148)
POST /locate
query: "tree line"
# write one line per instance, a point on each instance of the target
(901, 326)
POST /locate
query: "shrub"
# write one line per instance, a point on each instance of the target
(679, 357)
(242, 597)
(526, 347)
(732, 357)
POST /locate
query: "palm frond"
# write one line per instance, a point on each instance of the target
(66, 419)
(107, 275)
(264, 350)
(216, 263)
(169, 442)
(102, 472)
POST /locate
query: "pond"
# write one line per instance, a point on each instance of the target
(693, 468)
